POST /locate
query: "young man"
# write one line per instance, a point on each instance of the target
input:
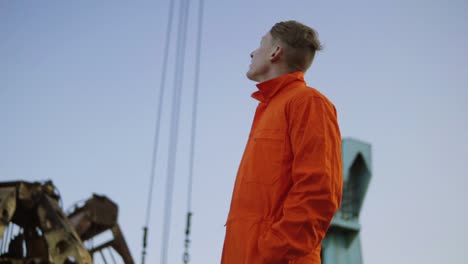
(289, 182)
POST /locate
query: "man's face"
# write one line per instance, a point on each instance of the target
(260, 63)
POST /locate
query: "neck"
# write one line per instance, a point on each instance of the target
(274, 73)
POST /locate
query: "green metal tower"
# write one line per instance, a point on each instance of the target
(342, 244)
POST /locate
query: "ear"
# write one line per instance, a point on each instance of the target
(276, 54)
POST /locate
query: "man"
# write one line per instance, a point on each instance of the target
(289, 182)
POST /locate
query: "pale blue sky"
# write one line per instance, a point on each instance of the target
(78, 88)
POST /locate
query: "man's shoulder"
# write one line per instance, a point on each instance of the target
(304, 94)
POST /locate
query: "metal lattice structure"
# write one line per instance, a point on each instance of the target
(34, 228)
(342, 244)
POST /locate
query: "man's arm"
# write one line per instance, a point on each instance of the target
(317, 182)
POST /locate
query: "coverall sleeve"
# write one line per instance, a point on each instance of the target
(317, 182)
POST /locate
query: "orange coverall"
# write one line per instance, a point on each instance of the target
(289, 183)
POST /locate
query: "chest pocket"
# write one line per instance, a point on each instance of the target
(266, 156)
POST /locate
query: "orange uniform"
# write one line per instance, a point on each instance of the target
(289, 182)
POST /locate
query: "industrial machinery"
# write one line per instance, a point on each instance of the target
(35, 229)
(342, 244)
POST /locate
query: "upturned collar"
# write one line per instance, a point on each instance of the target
(268, 89)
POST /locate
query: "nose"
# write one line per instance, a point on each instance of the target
(251, 55)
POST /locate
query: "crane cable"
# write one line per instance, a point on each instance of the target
(157, 129)
(186, 256)
(178, 78)
(174, 130)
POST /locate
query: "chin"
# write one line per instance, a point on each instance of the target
(251, 76)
